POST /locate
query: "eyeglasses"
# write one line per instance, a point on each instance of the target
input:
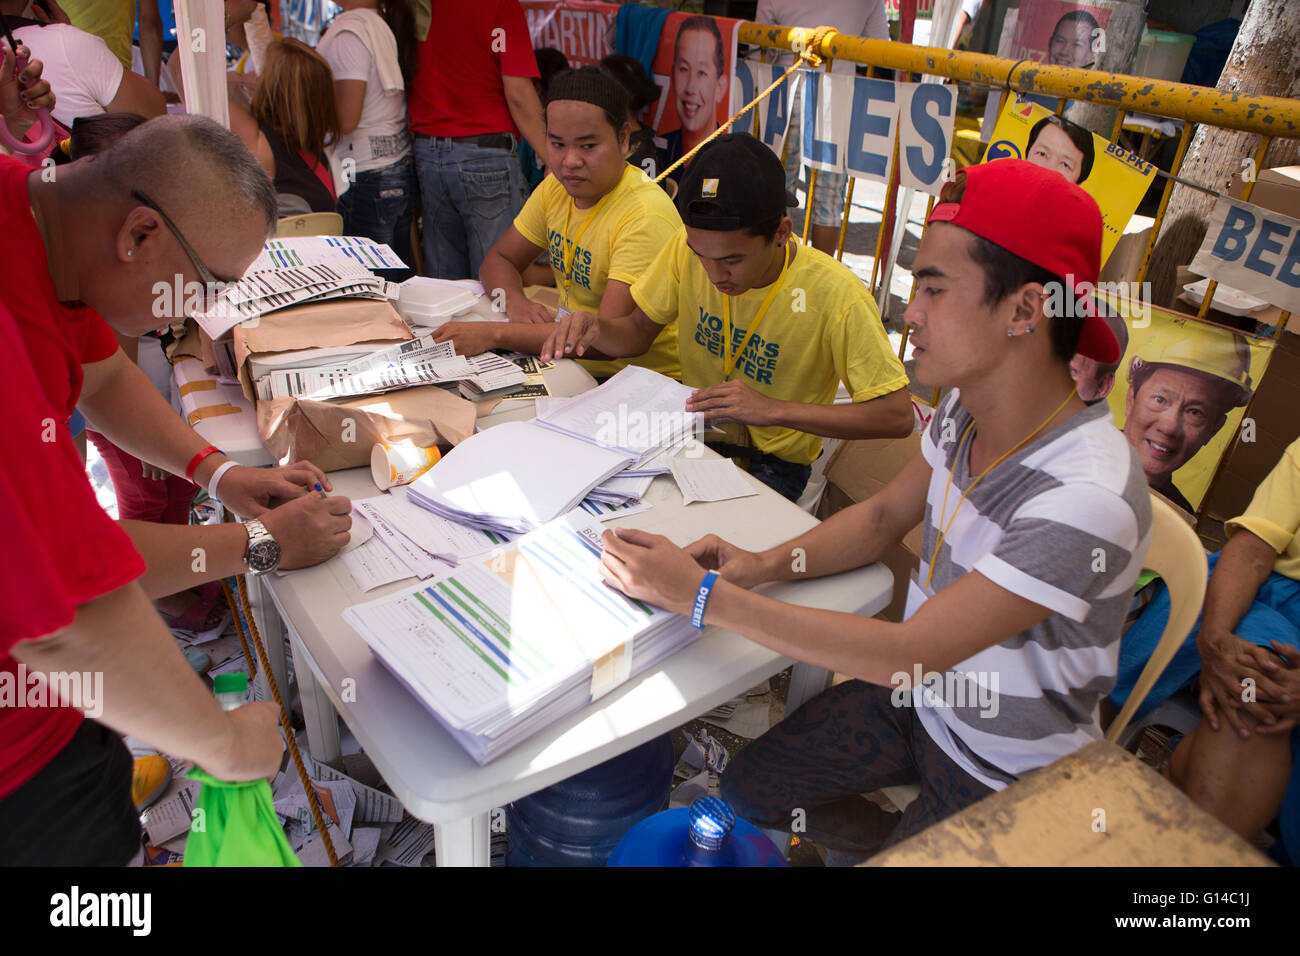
(210, 281)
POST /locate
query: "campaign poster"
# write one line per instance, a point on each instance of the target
(1112, 175)
(1179, 395)
(693, 66)
(1060, 33)
(583, 32)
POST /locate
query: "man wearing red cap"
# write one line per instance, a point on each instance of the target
(1036, 520)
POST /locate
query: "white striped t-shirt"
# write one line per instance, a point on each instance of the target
(1064, 522)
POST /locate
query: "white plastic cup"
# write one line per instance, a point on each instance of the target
(400, 463)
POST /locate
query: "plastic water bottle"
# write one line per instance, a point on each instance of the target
(707, 833)
(231, 690)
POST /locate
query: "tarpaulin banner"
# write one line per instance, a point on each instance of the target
(1112, 175)
(1253, 250)
(583, 32)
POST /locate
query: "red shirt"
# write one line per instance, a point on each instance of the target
(58, 338)
(60, 550)
(457, 89)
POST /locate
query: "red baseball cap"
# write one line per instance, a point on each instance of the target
(1040, 216)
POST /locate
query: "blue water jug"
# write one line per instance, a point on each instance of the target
(578, 821)
(707, 833)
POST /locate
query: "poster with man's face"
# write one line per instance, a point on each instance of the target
(1060, 33)
(693, 65)
(1179, 396)
(1110, 174)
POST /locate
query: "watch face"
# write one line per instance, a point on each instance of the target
(263, 556)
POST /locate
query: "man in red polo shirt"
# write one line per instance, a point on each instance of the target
(472, 96)
(94, 241)
(77, 625)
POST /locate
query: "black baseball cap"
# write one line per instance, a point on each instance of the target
(735, 182)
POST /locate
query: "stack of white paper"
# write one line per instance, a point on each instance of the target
(505, 645)
(514, 477)
(638, 411)
(291, 251)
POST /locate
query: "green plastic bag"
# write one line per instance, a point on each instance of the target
(239, 826)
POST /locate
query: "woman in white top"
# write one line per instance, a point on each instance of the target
(373, 56)
(86, 77)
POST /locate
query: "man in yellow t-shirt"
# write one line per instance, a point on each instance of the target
(1242, 761)
(602, 221)
(767, 328)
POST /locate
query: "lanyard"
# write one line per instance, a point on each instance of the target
(571, 253)
(730, 358)
(943, 533)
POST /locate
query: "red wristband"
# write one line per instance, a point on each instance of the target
(194, 462)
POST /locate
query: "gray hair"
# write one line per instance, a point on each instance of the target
(186, 161)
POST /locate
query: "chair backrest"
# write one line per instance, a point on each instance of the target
(311, 224)
(1177, 555)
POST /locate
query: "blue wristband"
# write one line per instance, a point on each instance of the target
(702, 599)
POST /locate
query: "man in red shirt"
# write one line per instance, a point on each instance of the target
(78, 625)
(94, 241)
(472, 96)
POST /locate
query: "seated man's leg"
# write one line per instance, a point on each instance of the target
(1239, 782)
(845, 742)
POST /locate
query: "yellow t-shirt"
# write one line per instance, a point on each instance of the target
(821, 329)
(111, 20)
(1274, 512)
(633, 223)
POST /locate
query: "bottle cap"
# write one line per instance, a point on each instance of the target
(711, 821)
(236, 683)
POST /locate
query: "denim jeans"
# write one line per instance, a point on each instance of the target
(380, 205)
(470, 195)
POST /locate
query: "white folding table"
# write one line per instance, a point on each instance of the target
(436, 780)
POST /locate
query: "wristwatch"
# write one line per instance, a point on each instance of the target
(263, 553)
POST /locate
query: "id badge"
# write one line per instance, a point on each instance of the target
(561, 313)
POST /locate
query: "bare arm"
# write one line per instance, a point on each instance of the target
(503, 268)
(135, 94)
(150, 691)
(349, 97)
(309, 530)
(581, 333)
(243, 125)
(962, 619)
(887, 416)
(151, 38)
(852, 538)
(1242, 569)
(526, 110)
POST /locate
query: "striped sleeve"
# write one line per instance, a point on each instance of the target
(1065, 548)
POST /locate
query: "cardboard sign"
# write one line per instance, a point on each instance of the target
(1118, 180)
(693, 67)
(1179, 395)
(1254, 250)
